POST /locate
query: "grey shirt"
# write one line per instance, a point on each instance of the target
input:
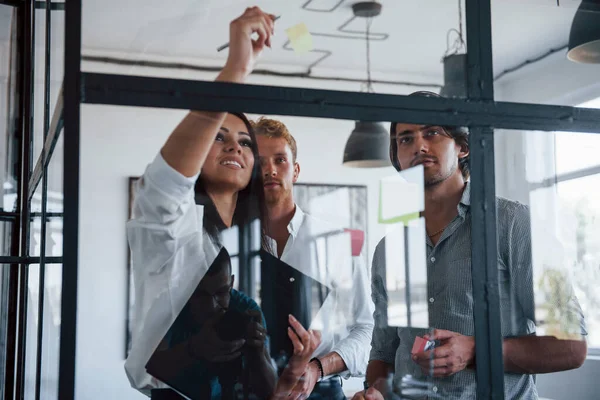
(450, 299)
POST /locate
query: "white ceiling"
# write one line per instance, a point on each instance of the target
(191, 30)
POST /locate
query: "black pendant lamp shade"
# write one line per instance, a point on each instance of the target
(584, 40)
(368, 146)
(455, 76)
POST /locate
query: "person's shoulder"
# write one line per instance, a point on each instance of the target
(509, 210)
(511, 216)
(242, 302)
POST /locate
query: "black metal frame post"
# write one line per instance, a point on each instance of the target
(407, 276)
(42, 265)
(72, 87)
(23, 57)
(486, 301)
(28, 112)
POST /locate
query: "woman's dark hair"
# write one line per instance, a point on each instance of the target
(251, 204)
(458, 133)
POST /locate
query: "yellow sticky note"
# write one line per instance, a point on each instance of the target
(300, 38)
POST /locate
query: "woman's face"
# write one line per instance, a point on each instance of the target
(230, 160)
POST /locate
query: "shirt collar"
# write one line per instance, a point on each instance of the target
(296, 222)
(466, 196)
(465, 200)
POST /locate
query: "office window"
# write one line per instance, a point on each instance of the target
(578, 191)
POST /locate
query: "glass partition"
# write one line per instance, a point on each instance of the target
(33, 319)
(537, 51)
(337, 252)
(546, 223)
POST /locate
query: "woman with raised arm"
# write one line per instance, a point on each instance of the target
(205, 179)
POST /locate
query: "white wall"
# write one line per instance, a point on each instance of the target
(116, 142)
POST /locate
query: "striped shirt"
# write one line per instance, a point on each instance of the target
(450, 299)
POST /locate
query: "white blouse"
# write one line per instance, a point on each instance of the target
(170, 254)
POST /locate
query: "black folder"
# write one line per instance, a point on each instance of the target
(284, 291)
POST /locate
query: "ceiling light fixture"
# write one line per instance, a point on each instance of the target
(455, 62)
(368, 144)
(584, 39)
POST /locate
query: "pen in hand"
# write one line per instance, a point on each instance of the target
(226, 45)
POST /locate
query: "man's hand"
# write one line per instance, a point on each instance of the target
(256, 334)
(243, 50)
(307, 382)
(207, 345)
(455, 353)
(369, 394)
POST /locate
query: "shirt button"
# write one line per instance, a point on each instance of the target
(432, 259)
(431, 300)
(434, 389)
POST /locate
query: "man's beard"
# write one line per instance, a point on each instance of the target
(275, 197)
(440, 177)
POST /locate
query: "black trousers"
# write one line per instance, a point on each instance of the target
(330, 389)
(164, 394)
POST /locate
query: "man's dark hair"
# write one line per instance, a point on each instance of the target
(458, 133)
(221, 263)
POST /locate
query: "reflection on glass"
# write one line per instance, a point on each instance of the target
(217, 342)
(54, 201)
(548, 310)
(39, 77)
(57, 40)
(32, 320)
(8, 90)
(400, 205)
(4, 284)
(5, 238)
(35, 236)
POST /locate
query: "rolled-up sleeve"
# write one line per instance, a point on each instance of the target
(385, 341)
(563, 301)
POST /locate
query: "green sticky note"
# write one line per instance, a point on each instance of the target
(300, 38)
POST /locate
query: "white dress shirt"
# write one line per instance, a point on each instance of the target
(170, 253)
(323, 251)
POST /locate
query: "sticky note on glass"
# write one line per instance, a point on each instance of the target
(402, 196)
(300, 38)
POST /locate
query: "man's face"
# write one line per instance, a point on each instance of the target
(280, 171)
(430, 146)
(212, 295)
